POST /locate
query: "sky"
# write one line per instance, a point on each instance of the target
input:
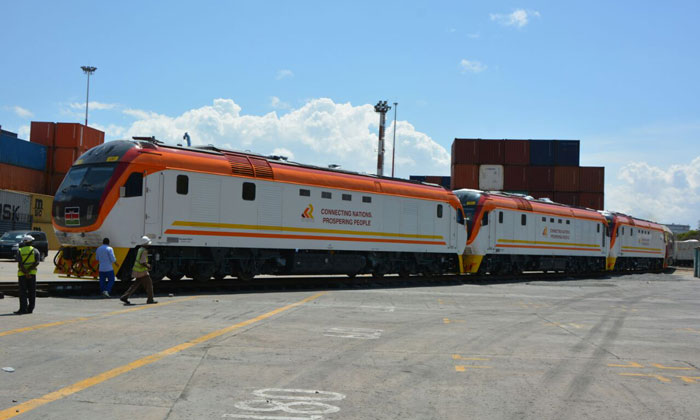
(300, 78)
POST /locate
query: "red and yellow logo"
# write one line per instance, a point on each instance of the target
(544, 232)
(308, 212)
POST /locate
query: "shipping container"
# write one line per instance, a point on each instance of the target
(69, 135)
(465, 176)
(5, 133)
(446, 182)
(568, 198)
(21, 179)
(591, 200)
(517, 152)
(491, 152)
(566, 178)
(18, 152)
(419, 178)
(63, 158)
(542, 152)
(540, 178)
(515, 178)
(592, 179)
(42, 133)
(14, 209)
(41, 208)
(51, 237)
(465, 151)
(566, 152)
(491, 177)
(55, 182)
(542, 194)
(433, 179)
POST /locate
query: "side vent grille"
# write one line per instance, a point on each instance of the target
(262, 168)
(240, 165)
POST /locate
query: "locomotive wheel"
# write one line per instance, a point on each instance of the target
(243, 275)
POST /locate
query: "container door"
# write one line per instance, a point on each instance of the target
(153, 213)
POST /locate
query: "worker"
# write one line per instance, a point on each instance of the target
(28, 259)
(140, 273)
(105, 256)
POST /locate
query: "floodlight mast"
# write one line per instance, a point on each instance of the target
(393, 146)
(87, 70)
(382, 109)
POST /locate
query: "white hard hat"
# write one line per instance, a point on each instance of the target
(27, 238)
(145, 240)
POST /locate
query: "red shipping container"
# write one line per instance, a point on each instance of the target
(63, 158)
(515, 178)
(465, 151)
(591, 200)
(568, 198)
(592, 179)
(433, 179)
(491, 152)
(21, 179)
(543, 194)
(465, 176)
(540, 178)
(42, 133)
(93, 137)
(55, 182)
(69, 135)
(566, 178)
(517, 152)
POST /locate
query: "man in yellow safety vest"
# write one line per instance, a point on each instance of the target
(28, 259)
(140, 273)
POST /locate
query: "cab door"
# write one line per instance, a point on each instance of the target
(153, 211)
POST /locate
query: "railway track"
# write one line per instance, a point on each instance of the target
(69, 287)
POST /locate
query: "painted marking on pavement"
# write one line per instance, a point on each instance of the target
(456, 321)
(689, 379)
(87, 318)
(361, 333)
(463, 368)
(659, 377)
(629, 365)
(98, 379)
(458, 357)
(671, 367)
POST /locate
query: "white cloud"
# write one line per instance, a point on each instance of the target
(277, 103)
(320, 132)
(284, 74)
(669, 195)
(93, 105)
(471, 66)
(21, 112)
(518, 18)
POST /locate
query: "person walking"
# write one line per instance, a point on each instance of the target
(140, 273)
(105, 256)
(28, 259)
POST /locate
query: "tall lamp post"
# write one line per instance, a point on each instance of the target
(393, 146)
(382, 109)
(87, 70)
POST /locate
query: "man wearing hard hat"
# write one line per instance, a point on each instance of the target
(28, 258)
(140, 273)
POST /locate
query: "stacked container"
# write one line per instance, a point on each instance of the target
(432, 179)
(541, 168)
(22, 163)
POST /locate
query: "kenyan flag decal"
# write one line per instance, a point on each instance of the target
(72, 216)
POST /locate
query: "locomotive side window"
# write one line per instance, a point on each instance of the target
(304, 193)
(439, 211)
(248, 191)
(544, 219)
(182, 184)
(485, 218)
(500, 217)
(559, 221)
(551, 220)
(568, 222)
(597, 228)
(133, 187)
(631, 231)
(326, 194)
(347, 197)
(523, 219)
(366, 199)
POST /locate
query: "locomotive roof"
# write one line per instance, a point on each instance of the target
(222, 161)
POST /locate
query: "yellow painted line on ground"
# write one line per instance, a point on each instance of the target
(87, 318)
(689, 379)
(656, 365)
(448, 320)
(659, 377)
(630, 365)
(463, 368)
(458, 357)
(8, 413)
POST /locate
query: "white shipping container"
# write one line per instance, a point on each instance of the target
(491, 177)
(685, 251)
(15, 211)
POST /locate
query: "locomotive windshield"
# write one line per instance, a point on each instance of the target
(469, 200)
(78, 197)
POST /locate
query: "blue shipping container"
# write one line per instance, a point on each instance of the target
(419, 178)
(567, 152)
(14, 151)
(542, 152)
(446, 180)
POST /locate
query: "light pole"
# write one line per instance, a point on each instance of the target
(87, 70)
(381, 108)
(393, 146)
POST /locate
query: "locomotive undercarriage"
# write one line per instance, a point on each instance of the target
(638, 264)
(516, 264)
(204, 263)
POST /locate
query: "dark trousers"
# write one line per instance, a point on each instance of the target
(27, 293)
(147, 284)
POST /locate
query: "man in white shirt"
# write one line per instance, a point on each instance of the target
(105, 256)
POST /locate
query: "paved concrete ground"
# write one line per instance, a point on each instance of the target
(619, 348)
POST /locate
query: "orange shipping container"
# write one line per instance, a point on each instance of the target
(591, 200)
(566, 179)
(42, 133)
(592, 179)
(465, 176)
(63, 159)
(21, 179)
(69, 135)
(55, 182)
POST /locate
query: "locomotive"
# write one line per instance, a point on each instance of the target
(212, 213)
